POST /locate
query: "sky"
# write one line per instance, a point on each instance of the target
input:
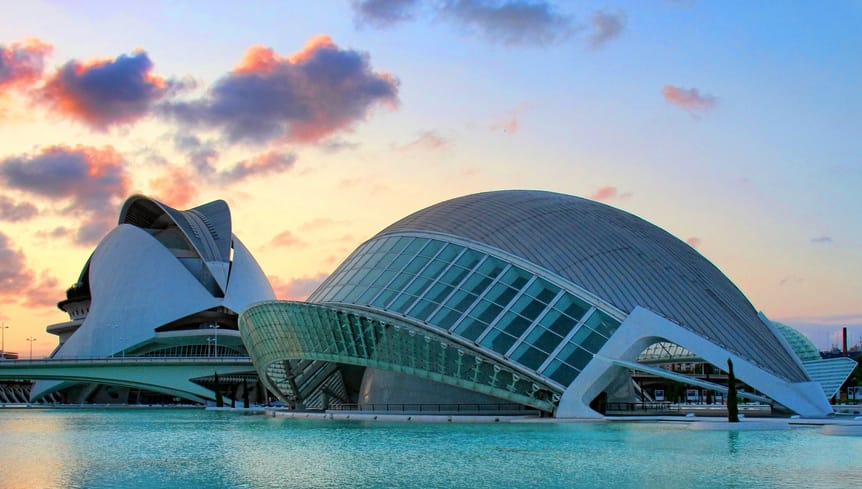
(735, 126)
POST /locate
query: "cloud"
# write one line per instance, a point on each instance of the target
(383, 13)
(306, 97)
(20, 284)
(287, 239)
(263, 164)
(693, 241)
(13, 211)
(510, 123)
(609, 193)
(822, 240)
(790, 280)
(427, 141)
(22, 63)
(104, 93)
(512, 22)
(296, 289)
(605, 27)
(320, 223)
(689, 99)
(83, 181)
(90, 177)
(176, 187)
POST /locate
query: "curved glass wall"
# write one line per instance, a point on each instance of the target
(476, 296)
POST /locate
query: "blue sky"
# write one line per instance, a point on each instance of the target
(734, 125)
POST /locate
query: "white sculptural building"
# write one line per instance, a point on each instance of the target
(164, 284)
(531, 298)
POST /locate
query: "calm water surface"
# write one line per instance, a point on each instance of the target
(198, 449)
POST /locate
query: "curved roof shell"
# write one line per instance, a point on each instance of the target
(619, 257)
(138, 284)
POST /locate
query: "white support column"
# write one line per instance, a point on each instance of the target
(643, 328)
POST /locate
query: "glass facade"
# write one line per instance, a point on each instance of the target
(479, 297)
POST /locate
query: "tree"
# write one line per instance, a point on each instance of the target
(732, 407)
(217, 389)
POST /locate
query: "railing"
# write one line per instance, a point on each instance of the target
(122, 360)
(434, 408)
(642, 407)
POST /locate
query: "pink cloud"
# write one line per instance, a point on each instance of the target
(16, 211)
(22, 63)
(305, 97)
(609, 193)
(20, 284)
(693, 241)
(427, 141)
(82, 181)
(689, 99)
(175, 187)
(286, 239)
(103, 93)
(296, 289)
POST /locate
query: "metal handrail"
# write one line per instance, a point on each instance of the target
(431, 407)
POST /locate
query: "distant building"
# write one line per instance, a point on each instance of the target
(163, 283)
(523, 298)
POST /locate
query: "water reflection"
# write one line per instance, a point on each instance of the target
(171, 448)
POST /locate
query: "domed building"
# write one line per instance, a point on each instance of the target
(525, 298)
(164, 283)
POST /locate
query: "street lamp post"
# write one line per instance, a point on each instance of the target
(31, 340)
(215, 327)
(210, 340)
(3, 329)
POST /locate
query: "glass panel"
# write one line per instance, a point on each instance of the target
(498, 341)
(529, 357)
(469, 259)
(416, 264)
(580, 335)
(572, 306)
(486, 311)
(471, 329)
(515, 277)
(431, 248)
(476, 283)
(454, 275)
(561, 373)
(594, 342)
(398, 263)
(387, 244)
(557, 322)
(422, 309)
(579, 358)
(368, 295)
(542, 290)
(514, 324)
(439, 292)
(544, 340)
(402, 302)
(418, 286)
(434, 269)
(500, 294)
(528, 307)
(414, 246)
(385, 297)
(401, 244)
(491, 267)
(385, 277)
(445, 318)
(449, 253)
(602, 323)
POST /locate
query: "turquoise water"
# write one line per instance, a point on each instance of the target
(198, 449)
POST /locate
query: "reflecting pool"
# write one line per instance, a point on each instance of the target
(199, 449)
